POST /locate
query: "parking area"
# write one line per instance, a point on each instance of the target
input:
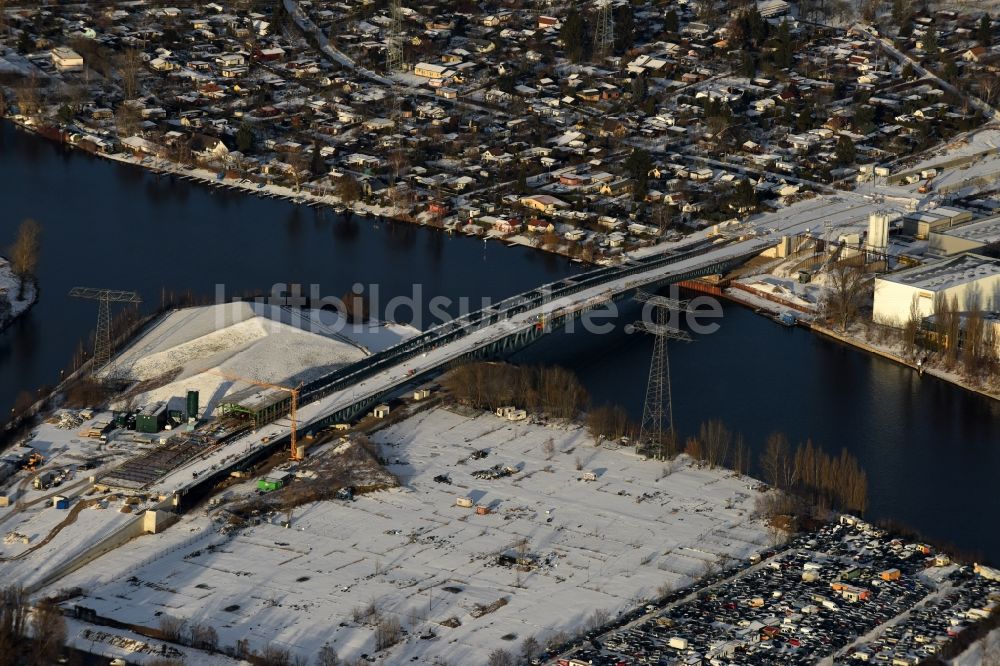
(846, 590)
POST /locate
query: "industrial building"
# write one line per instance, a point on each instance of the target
(967, 278)
(921, 224)
(66, 59)
(965, 238)
(261, 405)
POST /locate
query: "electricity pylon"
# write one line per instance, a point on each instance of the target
(604, 31)
(102, 336)
(394, 60)
(657, 429)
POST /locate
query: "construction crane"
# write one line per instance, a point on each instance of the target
(294, 392)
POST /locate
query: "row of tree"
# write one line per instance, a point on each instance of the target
(826, 481)
(34, 637)
(551, 390)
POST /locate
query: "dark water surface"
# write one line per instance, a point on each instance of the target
(930, 448)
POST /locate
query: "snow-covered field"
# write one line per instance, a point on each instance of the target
(250, 340)
(604, 544)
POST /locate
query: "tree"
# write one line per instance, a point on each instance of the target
(521, 185)
(715, 441)
(48, 633)
(907, 72)
(573, 35)
(318, 166)
(244, 138)
(26, 93)
(387, 633)
(204, 637)
(637, 166)
(327, 656)
(348, 189)
(984, 32)
(845, 152)
(530, 647)
(671, 22)
(549, 448)
(845, 293)
(13, 615)
(775, 461)
(24, 253)
(931, 42)
(949, 71)
(607, 421)
(500, 657)
(129, 65)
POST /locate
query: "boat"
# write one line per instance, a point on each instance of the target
(786, 319)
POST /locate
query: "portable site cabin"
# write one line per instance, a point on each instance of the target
(152, 418)
(273, 482)
(381, 411)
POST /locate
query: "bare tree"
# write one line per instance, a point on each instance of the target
(204, 637)
(27, 96)
(129, 66)
(13, 614)
(387, 633)
(530, 647)
(274, 656)
(24, 252)
(716, 440)
(500, 657)
(847, 288)
(776, 462)
(327, 656)
(48, 633)
(171, 628)
(549, 448)
(127, 119)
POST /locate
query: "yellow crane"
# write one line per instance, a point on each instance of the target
(294, 392)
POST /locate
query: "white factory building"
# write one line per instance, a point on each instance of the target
(968, 278)
(66, 59)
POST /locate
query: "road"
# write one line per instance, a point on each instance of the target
(379, 374)
(903, 58)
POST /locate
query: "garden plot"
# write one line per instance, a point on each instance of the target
(552, 549)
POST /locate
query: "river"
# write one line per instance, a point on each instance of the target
(929, 447)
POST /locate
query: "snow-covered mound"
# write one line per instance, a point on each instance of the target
(205, 348)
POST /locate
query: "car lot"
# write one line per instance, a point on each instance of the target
(829, 593)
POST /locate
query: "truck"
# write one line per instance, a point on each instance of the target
(43, 480)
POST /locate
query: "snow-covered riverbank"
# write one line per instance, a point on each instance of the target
(13, 303)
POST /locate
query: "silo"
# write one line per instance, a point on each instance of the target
(192, 405)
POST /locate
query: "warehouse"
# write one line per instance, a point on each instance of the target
(965, 277)
(921, 224)
(966, 238)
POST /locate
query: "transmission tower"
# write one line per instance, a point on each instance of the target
(604, 32)
(657, 429)
(102, 336)
(394, 53)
